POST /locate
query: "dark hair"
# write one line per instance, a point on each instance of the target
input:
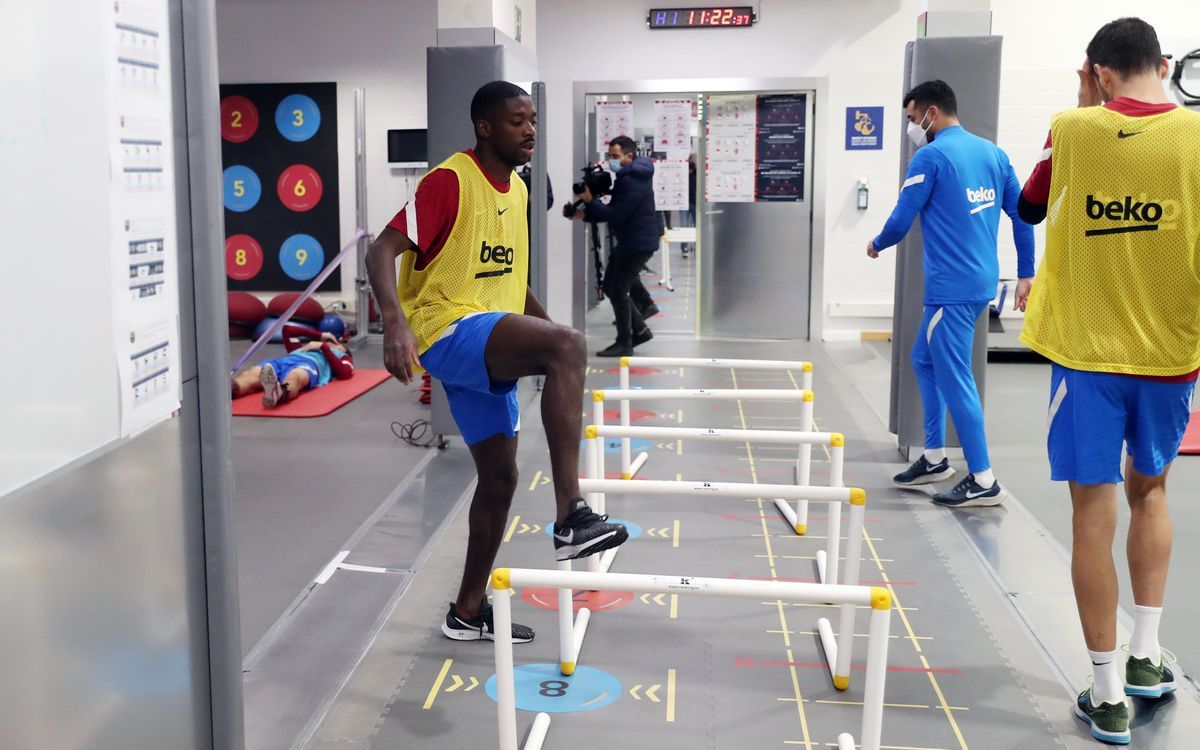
(933, 93)
(491, 95)
(625, 143)
(1127, 45)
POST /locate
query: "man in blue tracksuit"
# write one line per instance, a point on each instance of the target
(958, 183)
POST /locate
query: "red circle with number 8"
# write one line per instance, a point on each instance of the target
(299, 187)
(239, 119)
(243, 257)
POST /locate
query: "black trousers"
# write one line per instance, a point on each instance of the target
(625, 291)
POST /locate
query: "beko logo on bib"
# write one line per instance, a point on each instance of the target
(981, 195)
(1146, 212)
(497, 254)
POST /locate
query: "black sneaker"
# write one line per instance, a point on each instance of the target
(480, 627)
(1109, 721)
(923, 472)
(616, 350)
(968, 494)
(585, 533)
(643, 337)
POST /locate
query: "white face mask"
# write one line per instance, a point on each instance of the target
(918, 134)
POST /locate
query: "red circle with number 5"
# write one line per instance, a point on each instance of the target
(239, 119)
(299, 187)
(243, 257)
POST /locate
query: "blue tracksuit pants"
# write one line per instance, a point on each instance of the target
(941, 358)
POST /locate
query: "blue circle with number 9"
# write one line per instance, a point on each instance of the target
(298, 117)
(242, 188)
(542, 687)
(301, 257)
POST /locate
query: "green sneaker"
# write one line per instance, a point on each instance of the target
(1147, 680)
(1109, 721)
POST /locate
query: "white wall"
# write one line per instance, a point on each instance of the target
(376, 44)
(858, 46)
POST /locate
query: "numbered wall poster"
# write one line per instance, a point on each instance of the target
(279, 149)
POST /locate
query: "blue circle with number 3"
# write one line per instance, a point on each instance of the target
(241, 188)
(298, 117)
(301, 257)
(543, 687)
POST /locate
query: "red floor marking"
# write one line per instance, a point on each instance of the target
(596, 601)
(756, 517)
(789, 472)
(813, 580)
(746, 661)
(634, 371)
(611, 475)
(613, 416)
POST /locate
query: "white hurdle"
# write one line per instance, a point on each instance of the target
(504, 579)
(838, 650)
(797, 518)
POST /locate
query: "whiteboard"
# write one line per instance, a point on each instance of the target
(61, 285)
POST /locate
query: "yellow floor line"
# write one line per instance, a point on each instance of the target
(437, 684)
(511, 528)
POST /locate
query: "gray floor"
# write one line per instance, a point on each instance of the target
(976, 659)
(304, 486)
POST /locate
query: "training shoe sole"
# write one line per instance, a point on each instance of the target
(1142, 691)
(940, 476)
(614, 538)
(472, 634)
(1112, 738)
(272, 391)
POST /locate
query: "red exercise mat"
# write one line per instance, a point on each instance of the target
(1191, 438)
(317, 402)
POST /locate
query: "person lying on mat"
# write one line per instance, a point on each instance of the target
(305, 366)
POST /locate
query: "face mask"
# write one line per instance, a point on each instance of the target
(919, 135)
(614, 165)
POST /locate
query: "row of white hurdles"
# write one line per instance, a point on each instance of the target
(837, 587)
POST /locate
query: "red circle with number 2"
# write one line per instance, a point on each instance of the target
(239, 119)
(243, 257)
(299, 187)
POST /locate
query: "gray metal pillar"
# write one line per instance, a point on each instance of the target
(197, 80)
(362, 285)
(538, 280)
(971, 65)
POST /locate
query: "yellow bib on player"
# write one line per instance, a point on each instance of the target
(1118, 289)
(483, 266)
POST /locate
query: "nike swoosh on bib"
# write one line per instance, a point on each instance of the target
(1123, 134)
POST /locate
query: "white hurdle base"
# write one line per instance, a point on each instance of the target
(541, 725)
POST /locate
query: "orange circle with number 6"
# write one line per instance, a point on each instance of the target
(243, 257)
(300, 187)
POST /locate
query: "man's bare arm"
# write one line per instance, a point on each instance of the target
(399, 342)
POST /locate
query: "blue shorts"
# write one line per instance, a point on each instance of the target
(295, 361)
(481, 407)
(1093, 414)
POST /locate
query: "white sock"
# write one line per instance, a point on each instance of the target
(935, 455)
(1144, 644)
(985, 479)
(1107, 685)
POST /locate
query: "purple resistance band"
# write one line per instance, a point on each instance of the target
(312, 287)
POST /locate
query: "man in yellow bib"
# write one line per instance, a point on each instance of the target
(1116, 307)
(462, 310)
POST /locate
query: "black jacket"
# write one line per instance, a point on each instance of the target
(635, 225)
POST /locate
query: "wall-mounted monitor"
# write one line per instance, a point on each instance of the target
(407, 149)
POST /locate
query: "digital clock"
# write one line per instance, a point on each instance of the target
(721, 17)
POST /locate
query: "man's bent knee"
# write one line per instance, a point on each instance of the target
(570, 347)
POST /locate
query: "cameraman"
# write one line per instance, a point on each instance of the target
(636, 228)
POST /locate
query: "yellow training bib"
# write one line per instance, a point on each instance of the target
(1118, 289)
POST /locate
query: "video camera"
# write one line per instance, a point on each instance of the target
(596, 179)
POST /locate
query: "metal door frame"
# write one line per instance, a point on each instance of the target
(820, 88)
